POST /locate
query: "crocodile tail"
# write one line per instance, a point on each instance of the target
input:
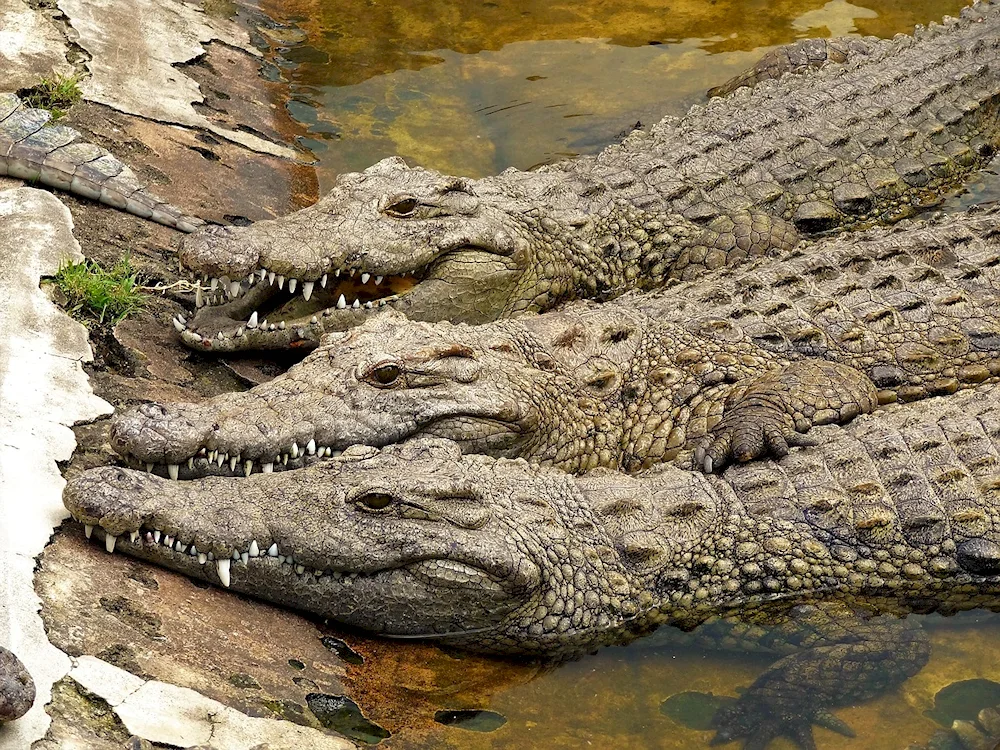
(32, 149)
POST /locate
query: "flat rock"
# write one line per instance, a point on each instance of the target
(30, 46)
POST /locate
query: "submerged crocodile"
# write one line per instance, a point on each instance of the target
(866, 142)
(889, 516)
(33, 149)
(733, 366)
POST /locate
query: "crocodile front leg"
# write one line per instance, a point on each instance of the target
(842, 658)
(770, 413)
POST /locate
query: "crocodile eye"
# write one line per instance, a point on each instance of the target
(386, 374)
(403, 207)
(376, 500)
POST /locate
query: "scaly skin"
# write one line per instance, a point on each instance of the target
(56, 155)
(733, 367)
(17, 689)
(887, 516)
(866, 142)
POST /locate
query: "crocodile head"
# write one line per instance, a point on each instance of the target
(432, 246)
(412, 541)
(495, 389)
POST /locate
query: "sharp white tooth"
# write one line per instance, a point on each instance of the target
(236, 556)
(234, 289)
(292, 285)
(156, 535)
(353, 271)
(222, 567)
(215, 283)
(240, 331)
(211, 556)
(219, 336)
(267, 468)
(322, 282)
(109, 542)
(168, 541)
(219, 459)
(336, 273)
(272, 551)
(341, 303)
(179, 326)
(191, 463)
(179, 546)
(281, 325)
(368, 305)
(281, 282)
(295, 450)
(311, 446)
(202, 558)
(314, 320)
(149, 468)
(244, 557)
(365, 277)
(263, 324)
(247, 467)
(251, 279)
(284, 459)
(281, 559)
(88, 529)
(254, 550)
(356, 304)
(193, 551)
(182, 319)
(263, 273)
(378, 280)
(199, 300)
(307, 289)
(300, 569)
(252, 322)
(172, 470)
(270, 277)
(133, 536)
(233, 460)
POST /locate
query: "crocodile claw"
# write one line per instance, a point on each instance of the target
(744, 440)
(757, 726)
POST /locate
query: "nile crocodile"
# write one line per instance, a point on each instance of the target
(737, 365)
(888, 516)
(869, 141)
(33, 149)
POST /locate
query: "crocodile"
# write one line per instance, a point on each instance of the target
(735, 366)
(38, 151)
(17, 689)
(888, 516)
(869, 141)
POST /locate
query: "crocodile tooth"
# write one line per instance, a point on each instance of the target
(336, 273)
(267, 468)
(251, 279)
(193, 551)
(281, 325)
(294, 450)
(179, 326)
(244, 557)
(356, 304)
(168, 541)
(292, 285)
(247, 467)
(368, 305)
(202, 558)
(378, 280)
(272, 551)
(222, 566)
(270, 277)
(284, 459)
(88, 529)
(191, 463)
(300, 569)
(210, 556)
(240, 331)
(341, 303)
(220, 336)
(252, 322)
(263, 273)
(172, 470)
(178, 546)
(254, 550)
(156, 535)
(353, 271)
(281, 282)
(234, 289)
(272, 327)
(365, 277)
(133, 536)
(199, 300)
(149, 468)
(233, 460)
(215, 283)
(220, 458)
(322, 282)
(109, 542)
(236, 556)
(311, 446)
(263, 324)
(307, 289)
(314, 320)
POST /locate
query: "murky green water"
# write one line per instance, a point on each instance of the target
(475, 87)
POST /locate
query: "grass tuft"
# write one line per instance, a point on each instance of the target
(96, 293)
(56, 94)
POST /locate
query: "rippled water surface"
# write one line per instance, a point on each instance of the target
(475, 87)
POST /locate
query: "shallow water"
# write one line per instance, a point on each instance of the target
(472, 88)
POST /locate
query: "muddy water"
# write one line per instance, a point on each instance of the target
(475, 87)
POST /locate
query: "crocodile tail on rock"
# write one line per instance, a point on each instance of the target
(32, 149)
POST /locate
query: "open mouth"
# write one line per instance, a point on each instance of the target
(265, 305)
(207, 463)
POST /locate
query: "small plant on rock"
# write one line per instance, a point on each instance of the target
(92, 292)
(56, 94)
